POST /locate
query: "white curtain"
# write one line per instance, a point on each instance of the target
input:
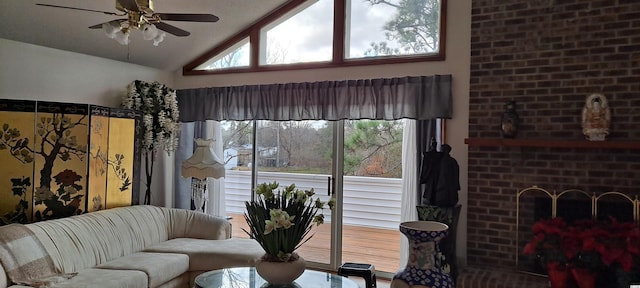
(215, 206)
(185, 149)
(409, 183)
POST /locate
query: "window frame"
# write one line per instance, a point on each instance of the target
(338, 57)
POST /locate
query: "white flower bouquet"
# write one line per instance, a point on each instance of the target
(281, 221)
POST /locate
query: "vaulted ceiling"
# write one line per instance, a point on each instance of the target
(67, 29)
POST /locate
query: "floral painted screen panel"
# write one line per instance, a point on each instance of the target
(63, 159)
(62, 132)
(122, 157)
(16, 155)
(98, 167)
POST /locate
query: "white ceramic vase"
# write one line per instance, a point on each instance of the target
(280, 273)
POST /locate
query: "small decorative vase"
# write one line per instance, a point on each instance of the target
(510, 120)
(423, 266)
(281, 273)
(584, 278)
(558, 275)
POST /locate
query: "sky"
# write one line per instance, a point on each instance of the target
(313, 29)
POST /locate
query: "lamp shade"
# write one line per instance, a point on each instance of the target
(204, 163)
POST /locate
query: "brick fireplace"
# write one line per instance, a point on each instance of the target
(548, 56)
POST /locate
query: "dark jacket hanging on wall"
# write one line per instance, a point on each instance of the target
(440, 175)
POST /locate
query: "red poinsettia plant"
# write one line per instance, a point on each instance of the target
(619, 243)
(547, 242)
(586, 244)
(583, 246)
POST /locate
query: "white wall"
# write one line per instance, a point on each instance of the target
(39, 73)
(34, 72)
(457, 64)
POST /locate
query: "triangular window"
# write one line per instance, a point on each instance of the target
(377, 28)
(236, 56)
(307, 36)
(304, 34)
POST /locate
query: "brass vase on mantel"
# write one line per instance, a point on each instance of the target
(510, 120)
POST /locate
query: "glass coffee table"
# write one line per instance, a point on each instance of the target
(247, 277)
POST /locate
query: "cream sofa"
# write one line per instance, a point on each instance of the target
(139, 246)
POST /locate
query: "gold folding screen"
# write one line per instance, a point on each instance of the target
(63, 159)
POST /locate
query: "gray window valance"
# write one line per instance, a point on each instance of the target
(415, 97)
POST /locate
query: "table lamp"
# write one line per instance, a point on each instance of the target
(202, 165)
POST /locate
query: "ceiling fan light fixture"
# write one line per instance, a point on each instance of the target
(111, 28)
(159, 38)
(140, 15)
(149, 31)
(122, 37)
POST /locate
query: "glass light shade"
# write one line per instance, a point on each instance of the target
(204, 163)
(111, 28)
(149, 31)
(119, 31)
(159, 38)
(122, 37)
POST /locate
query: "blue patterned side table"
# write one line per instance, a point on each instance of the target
(423, 266)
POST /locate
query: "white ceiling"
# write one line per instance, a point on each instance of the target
(67, 29)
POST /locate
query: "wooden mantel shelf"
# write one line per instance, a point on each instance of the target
(497, 142)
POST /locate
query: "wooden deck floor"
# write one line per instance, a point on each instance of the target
(380, 247)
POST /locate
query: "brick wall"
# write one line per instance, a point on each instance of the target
(548, 56)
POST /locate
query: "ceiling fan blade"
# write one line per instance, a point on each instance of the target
(130, 5)
(99, 26)
(188, 17)
(172, 29)
(75, 8)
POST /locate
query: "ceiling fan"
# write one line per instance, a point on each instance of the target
(140, 16)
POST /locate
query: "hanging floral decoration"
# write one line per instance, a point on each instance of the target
(159, 106)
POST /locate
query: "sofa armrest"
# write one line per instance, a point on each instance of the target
(3, 277)
(191, 224)
(4, 280)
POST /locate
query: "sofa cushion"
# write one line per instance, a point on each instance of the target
(160, 267)
(84, 241)
(184, 223)
(106, 278)
(213, 254)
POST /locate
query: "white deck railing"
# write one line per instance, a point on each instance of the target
(368, 201)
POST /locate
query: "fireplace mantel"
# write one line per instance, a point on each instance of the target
(549, 143)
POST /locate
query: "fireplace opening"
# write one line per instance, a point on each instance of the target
(572, 210)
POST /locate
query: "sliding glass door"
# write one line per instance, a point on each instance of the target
(371, 193)
(300, 153)
(357, 162)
